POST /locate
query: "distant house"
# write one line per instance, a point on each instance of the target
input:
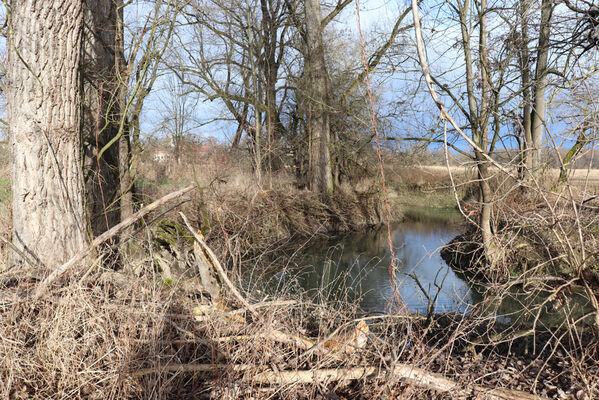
(186, 150)
(161, 155)
(205, 150)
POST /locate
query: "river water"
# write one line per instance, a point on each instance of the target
(354, 269)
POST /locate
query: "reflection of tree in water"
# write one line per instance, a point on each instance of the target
(356, 266)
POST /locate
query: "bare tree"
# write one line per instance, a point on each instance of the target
(177, 118)
(139, 65)
(317, 102)
(537, 119)
(524, 64)
(254, 57)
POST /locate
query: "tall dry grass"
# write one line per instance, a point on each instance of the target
(120, 336)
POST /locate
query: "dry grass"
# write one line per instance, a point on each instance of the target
(244, 219)
(135, 333)
(578, 177)
(119, 336)
(84, 341)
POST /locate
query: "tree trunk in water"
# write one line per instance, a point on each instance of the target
(43, 92)
(486, 212)
(101, 114)
(479, 118)
(320, 175)
(540, 84)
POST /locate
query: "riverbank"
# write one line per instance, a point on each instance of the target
(143, 332)
(121, 336)
(556, 243)
(242, 218)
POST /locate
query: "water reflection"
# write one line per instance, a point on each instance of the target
(355, 267)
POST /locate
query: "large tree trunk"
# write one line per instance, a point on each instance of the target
(540, 84)
(320, 171)
(43, 92)
(101, 113)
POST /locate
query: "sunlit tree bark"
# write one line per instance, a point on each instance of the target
(44, 112)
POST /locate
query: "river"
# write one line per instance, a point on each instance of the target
(353, 269)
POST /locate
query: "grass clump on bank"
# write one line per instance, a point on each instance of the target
(242, 218)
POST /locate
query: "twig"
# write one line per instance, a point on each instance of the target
(212, 368)
(32, 263)
(77, 258)
(201, 318)
(253, 307)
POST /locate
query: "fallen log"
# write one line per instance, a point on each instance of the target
(412, 375)
(216, 265)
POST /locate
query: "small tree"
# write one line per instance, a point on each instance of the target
(177, 120)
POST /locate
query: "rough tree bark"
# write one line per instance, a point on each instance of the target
(318, 89)
(101, 114)
(44, 113)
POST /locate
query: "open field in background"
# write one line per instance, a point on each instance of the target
(578, 177)
(424, 182)
(407, 184)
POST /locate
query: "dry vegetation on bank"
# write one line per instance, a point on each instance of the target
(242, 218)
(116, 335)
(151, 331)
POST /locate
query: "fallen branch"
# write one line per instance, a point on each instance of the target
(225, 314)
(413, 375)
(287, 338)
(77, 258)
(216, 264)
(197, 368)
